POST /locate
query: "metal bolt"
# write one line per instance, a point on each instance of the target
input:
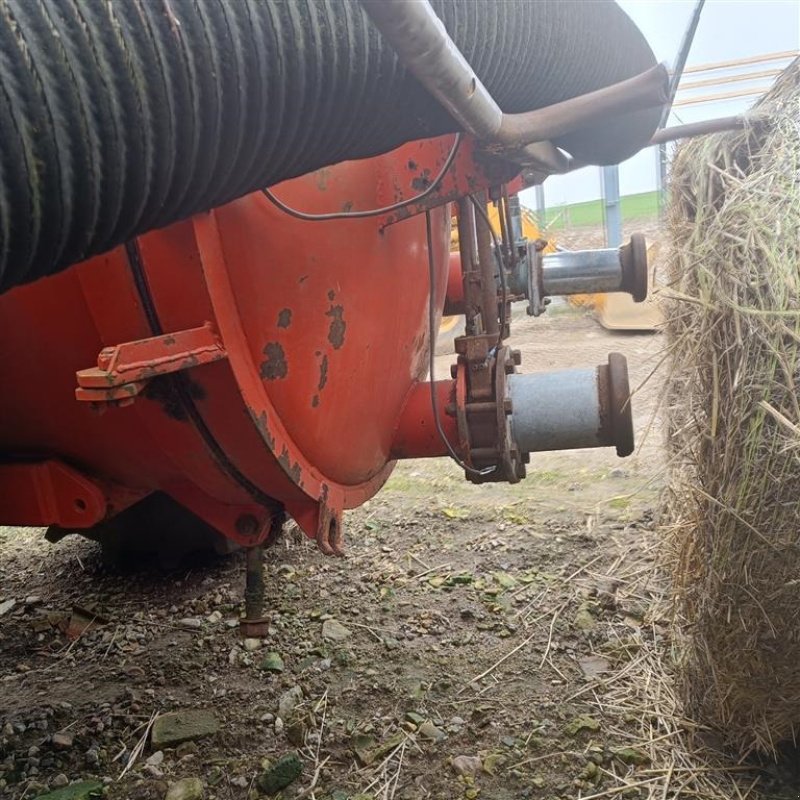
(246, 525)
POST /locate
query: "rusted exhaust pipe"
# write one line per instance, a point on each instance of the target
(573, 408)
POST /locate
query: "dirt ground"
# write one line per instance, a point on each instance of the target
(506, 633)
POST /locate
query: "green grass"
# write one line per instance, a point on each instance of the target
(634, 206)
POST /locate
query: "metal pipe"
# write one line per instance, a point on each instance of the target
(622, 269)
(421, 41)
(469, 274)
(419, 37)
(645, 90)
(705, 127)
(573, 408)
(582, 272)
(487, 264)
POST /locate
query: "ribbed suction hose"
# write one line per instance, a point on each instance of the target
(120, 117)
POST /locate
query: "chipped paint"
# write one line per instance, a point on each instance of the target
(323, 373)
(331, 295)
(284, 317)
(274, 367)
(337, 326)
(261, 422)
(293, 470)
(315, 401)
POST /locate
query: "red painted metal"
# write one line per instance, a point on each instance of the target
(454, 299)
(123, 370)
(416, 435)
(324, 325)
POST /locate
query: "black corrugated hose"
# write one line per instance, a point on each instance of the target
(120, 116)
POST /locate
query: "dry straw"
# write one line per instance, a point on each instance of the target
(734, 424)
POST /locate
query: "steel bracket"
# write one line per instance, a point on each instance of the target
(123, 370)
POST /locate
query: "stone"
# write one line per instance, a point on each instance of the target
(186, 789)
(193, 623)
(156, 759)
(85, 790)
(186, 750)
(584, 619)
(288, 701)
(251, 645)
(214, 617)
(429, 731)
(177, 727)
(6, 606)
(63, 740)
(272, 662)
(285, 771)
(580, 724)
(466, 765)
(334, 631)
(59, 781)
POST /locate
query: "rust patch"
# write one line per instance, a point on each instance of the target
(285, 318)
(422, 182)
(294, 471)
(315, 401)
(331, 295)
(323, 373)
(337, 326)
(274, 367)
(412, 165)
(261, 422)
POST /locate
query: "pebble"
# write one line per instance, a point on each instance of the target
(466, 765)
(285, 771)
(251, 645)
(334, 631)
(272, 662)
(6, 606)
(60, 780)
(191, 622)
(186, 789)
(289, 699)
(156, 759)
(183, 726)
(63, 740)
(429, 731)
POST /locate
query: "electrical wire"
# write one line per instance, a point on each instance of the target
(432, 358)
(501, 270)
(372, 212)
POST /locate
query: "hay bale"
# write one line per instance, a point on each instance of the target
(734, 424)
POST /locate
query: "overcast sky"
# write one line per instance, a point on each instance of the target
(729, 29)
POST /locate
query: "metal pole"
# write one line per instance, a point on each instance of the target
(612, 206)
(541, 208)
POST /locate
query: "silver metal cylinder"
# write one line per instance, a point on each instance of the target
(573, 408)
(582, 272)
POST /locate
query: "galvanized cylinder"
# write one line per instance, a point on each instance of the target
(573, 408)
(582, 272)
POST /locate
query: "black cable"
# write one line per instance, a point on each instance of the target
(432, 358)
(373, 212)
(499, 258)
